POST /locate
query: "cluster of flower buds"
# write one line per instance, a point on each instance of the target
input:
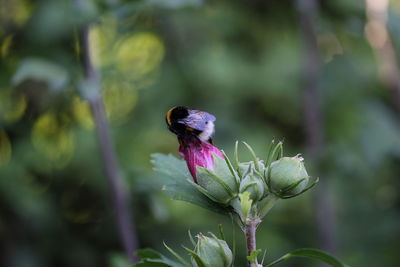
(250, 187)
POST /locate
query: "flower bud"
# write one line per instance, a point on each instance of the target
(285, 173)
(245, 167)
(219, 184)
(253, 184)
(212, 252)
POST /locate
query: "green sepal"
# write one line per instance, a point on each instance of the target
(248, 185)
(248, 171)
(221, 232)
(221, 182)
(203, 191)
(274, 156)
(304, 190)
(231, 169)
(177, 256)
(151, 258)
(270, 149)
(221, 248)
(255, 160)
(236, 157)
(196, 257)
(291, 186)
(191, 238)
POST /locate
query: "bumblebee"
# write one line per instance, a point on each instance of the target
(186, 122)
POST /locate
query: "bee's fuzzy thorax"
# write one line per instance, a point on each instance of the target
(208, 132)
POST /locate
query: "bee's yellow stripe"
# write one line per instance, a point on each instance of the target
(169, 115)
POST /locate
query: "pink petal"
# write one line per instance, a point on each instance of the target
(198, 153)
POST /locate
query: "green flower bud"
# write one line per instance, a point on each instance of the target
(213, 252)
(219, 184)
(244, 167)
(285, 173)
(253, 184)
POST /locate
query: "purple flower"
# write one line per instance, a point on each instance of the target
(197, 153)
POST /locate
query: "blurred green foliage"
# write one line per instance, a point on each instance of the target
(240, 60)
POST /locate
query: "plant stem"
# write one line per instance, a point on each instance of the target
(250, 232)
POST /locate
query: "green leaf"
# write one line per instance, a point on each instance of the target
(311, 253)
(266, 204)
(189, 193)
(148, 253)
(43, 70)
(253, 256)
(151, 263)
(174, 169)
(245, 204)
(119, 260)
(176, 174)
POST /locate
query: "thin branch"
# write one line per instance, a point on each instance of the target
(119, 195)
(378, 36)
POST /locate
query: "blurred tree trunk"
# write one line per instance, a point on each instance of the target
(119, 194)
(313, 118)
(378, 36)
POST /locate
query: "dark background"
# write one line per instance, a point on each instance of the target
(322, 75)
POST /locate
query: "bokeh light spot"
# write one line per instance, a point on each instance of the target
(15, 11)
(5, 45)
(12, 107)
(82, 113)
(53, 138)
(102, 39)
(119, 101)
(139, 54)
